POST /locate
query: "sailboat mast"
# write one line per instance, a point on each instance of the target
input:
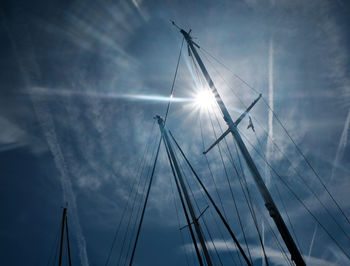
(64, 215)
(185, 192)
(68, 245)
(232, 127)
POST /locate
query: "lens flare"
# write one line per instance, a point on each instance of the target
(204, 99)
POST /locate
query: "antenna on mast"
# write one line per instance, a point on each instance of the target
(174, 24)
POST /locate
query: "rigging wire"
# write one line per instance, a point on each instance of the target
(250, 207)
(141, 169)
(305, 159)
(284, 254)
(225, 170)
(211, 200)
(216, 189)
(145, 203)
(133, 227)
(250, 204)
(178, 219)
(242, 171)
(297, 197)
(173, 84)
(280, 196)
(240, 101)
(290, 137)
(183, 206)
(53, 245)
(146, 149)
(279, 245)
(210, 171)
(198, 209)
(230, 187)
(199, 79)
(155, 161)
(56, 252)
(204, 221)
(285, 210)
(329, 213)
(136, 217)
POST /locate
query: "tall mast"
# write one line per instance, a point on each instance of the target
(232, 128)
(184, 190)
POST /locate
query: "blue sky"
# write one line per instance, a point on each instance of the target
(74, 120)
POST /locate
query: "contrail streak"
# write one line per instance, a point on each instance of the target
(270, 114)
(29, 69)
(47, 125)
(312, 242)
(341, 146)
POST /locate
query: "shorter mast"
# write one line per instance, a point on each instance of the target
(62, 235)
(184, 190)
(64, 228)
(213, 203)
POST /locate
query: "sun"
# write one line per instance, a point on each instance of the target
(204, 99)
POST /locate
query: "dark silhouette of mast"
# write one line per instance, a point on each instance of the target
(232, 128)
(174, 163)
(64, 228)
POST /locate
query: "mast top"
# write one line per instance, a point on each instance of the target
(159, 118)
(186, 34)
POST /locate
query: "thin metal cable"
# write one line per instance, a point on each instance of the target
(236, 148)
(300, 176)
(290, 137)
(53, 245)
(213, 179)
(251, 209)
(251, 206)
(137, 215)
(216, 189)
(202, 136)
(211, 199)
(244, 235)
(284, 254)
(279, 245)
(145, 203)
(173, 84)
(194, 199)
(178, 219)
(235, 168)
(300, 201)
(280, 196)
(154, 165)
(56, 252)
(308, 163)
(131, 212)
(210, 171)
(138, 210)
(285, 210)
(198, 209)
(227, 178)
(146, 149)
(225, 170)
(184, 206)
